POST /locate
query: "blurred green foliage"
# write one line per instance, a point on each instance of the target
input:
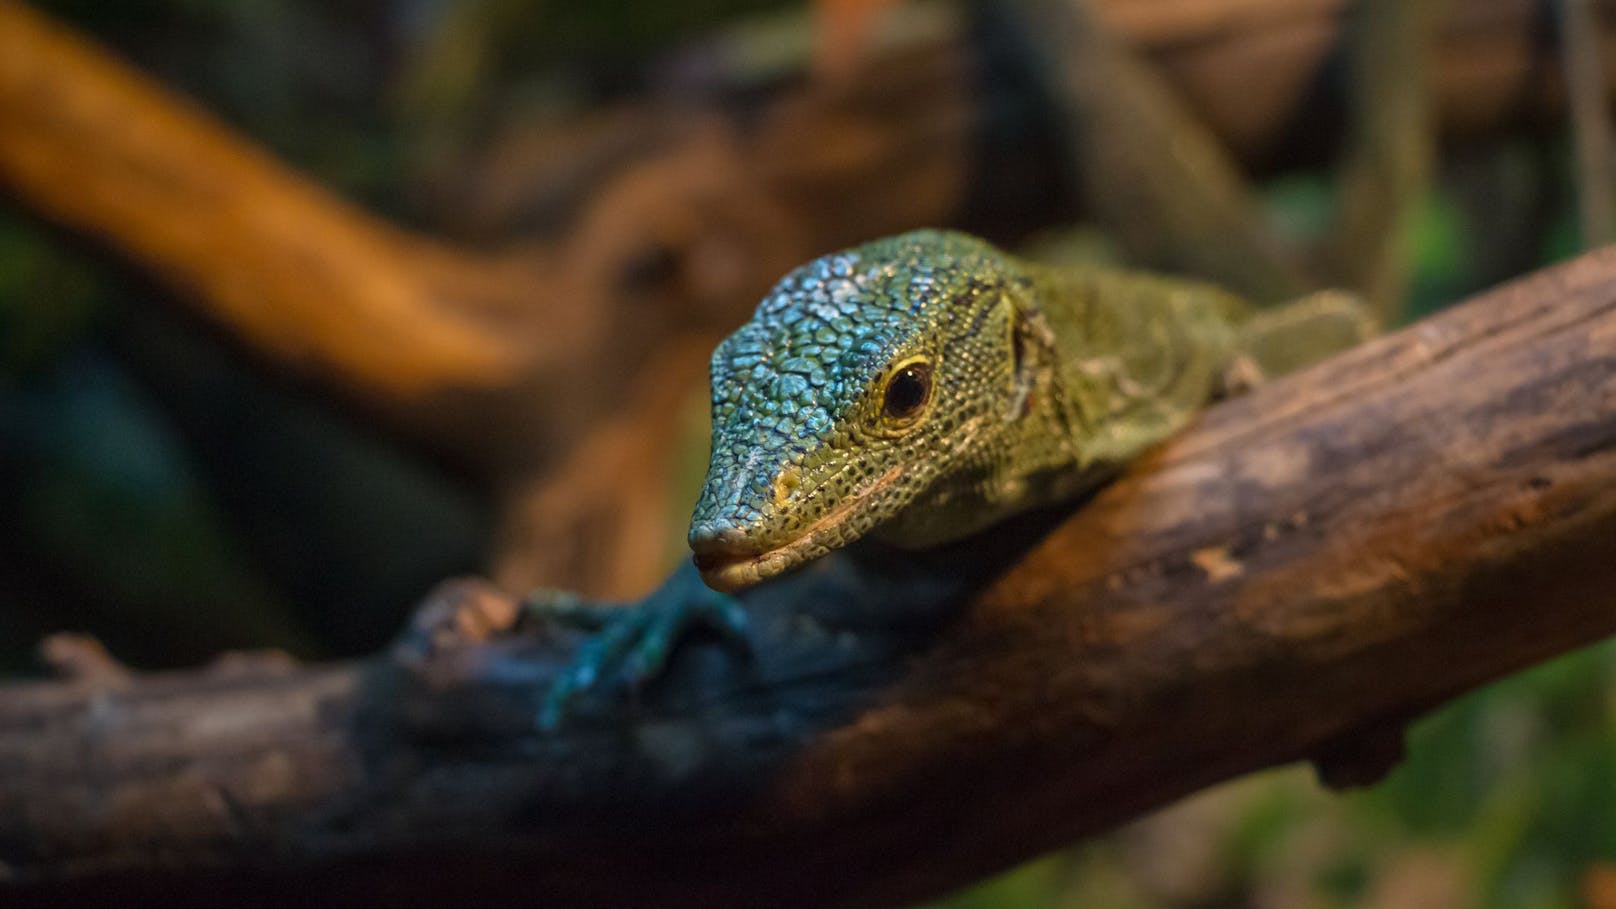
(47, 302)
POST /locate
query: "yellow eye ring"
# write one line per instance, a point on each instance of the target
(908, 391)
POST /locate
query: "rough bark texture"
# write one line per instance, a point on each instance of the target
(1297, 575)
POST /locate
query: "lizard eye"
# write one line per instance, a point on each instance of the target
(908, 391)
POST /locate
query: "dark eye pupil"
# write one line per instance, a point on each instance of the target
(908, 391)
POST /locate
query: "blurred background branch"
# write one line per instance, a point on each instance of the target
(1386, 171)
(1587, 68)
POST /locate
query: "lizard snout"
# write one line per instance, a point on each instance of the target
(730, 521)
(721, 539)
(727, 556)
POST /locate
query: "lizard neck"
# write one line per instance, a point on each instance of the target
(1024, 453)
(1110, 363)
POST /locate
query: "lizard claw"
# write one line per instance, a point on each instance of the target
(631, 644)
(563, 607)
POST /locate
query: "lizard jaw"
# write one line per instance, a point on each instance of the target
(744, 571)
(729, 572)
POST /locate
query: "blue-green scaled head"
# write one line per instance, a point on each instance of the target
(863, 378)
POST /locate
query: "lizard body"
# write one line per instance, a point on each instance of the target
(921, 388)
(924, 386)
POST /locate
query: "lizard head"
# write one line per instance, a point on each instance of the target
(863, 378)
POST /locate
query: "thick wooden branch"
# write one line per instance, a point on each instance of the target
(1297, 575)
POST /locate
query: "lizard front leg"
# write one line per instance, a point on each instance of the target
(630, 643)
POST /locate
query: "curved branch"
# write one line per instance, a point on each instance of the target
(1297, 575)
(293, 270)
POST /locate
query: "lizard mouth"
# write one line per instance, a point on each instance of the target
(729, 570)
(729, 573)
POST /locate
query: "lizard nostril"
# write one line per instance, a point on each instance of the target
(720, 538)
(717, 543)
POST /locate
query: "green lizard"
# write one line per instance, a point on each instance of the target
(922, 387)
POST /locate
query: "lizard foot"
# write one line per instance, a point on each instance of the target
(631, 643)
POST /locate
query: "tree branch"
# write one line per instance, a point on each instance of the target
(1297, 575)
(95, 145)
(453, 346)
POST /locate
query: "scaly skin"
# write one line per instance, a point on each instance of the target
(1043, 381)
(922, 387)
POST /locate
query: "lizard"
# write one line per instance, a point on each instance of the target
(923, 387)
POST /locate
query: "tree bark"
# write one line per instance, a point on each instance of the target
(1297, 575)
